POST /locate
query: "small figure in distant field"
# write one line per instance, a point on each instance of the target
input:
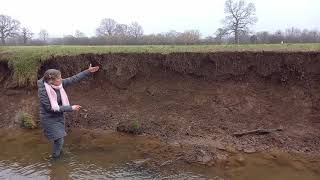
(54, 102)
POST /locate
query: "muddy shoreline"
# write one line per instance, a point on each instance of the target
(199, 100)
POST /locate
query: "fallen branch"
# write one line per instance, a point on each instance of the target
(257, 132)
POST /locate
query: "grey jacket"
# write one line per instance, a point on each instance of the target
(53, 122)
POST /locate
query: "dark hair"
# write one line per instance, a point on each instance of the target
(51, 74)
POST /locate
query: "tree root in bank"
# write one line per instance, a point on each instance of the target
(257, 132)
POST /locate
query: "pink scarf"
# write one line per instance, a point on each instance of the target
(53, 96)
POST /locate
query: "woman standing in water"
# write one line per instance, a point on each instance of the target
(54, 102)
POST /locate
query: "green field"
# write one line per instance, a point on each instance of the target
(25, 60)
(160, 48)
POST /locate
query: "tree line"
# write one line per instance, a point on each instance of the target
(239, 18)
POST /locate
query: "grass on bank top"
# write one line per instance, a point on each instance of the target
(25, 60)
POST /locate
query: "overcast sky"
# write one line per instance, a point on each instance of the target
(64, 17)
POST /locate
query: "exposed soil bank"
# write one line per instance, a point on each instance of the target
(200, 99)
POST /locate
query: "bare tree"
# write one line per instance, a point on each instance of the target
(79, 34)
(293, 34)
(239, 16)
(8, 27)
(172, 36)
(135, 30)
(220, 34)
(121, 34)
(263, 37)
(208, 40)
(315, 35)
(277, 37)
(189, 37)
(253, 39)
(26, 34)
(107, 27)
(121, 30)
(43, 35)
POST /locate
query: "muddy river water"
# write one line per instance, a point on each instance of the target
(109, 155)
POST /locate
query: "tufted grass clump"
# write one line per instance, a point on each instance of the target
(26, 120)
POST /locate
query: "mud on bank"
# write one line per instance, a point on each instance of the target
(200, 99)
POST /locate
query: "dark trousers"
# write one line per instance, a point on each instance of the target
(57, 147)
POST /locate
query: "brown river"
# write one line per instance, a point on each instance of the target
(110, 155)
